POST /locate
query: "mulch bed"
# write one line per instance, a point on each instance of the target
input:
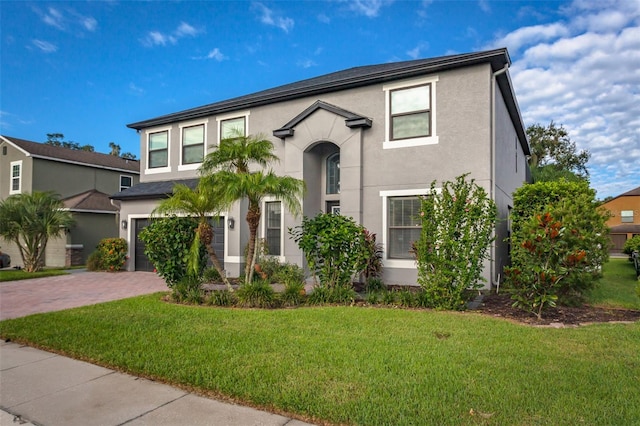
(500, 306)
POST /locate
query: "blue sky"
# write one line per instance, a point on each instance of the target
(86, 69)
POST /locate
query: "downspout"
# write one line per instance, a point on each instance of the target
(495, 280)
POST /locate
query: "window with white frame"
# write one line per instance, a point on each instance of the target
(193, 144)
(15, 177)
(273, 228)
(626, 216)
(158, 149)
(125, 182)
(404, 227)
(233, 127)
(333, 173)
(410, 113)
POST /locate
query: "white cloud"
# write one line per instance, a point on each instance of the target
(89, 23)
(157, 38)
(324, 18)
(306, 63)
(368, 8)
(213, 54)
(67, 20)
(268, 17)
(135, 89)
(417, 51)
(45, 46)
(582, 72)
(484, 6)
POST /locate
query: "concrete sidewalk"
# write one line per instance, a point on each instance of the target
(47, 389)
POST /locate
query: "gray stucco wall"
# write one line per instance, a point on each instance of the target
(90, 228)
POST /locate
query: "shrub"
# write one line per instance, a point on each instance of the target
(289, 273)
(631, 245)
(256, 294)
(558, 244)
(110, 255)
(388, 297)
(374, 285)
(406, 298)
(221, 298)
(211, 275)
(340, 294)
(168, 242)
(334, 247)
(269, 266)
(189, 290)
(293, 294)
(372, 298)
(373, 260)
(457, 229)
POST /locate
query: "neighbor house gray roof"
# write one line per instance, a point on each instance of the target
(632, 193)
(625, 229)
(153, 190)
(357, 77)
(66, 155)
(90, 201)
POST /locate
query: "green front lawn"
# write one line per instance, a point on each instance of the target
(354, 365)
(19, 274)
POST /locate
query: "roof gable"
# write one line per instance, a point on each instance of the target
(90, 201)
(66, 155)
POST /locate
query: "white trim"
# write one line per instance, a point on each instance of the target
(120, 183)
(27, 153)
(398, 263)
(74, 246)
(90, 211)
(157, 170)
(404, 143)
(11, 177)
(181, 126)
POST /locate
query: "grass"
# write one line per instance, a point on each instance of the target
(20, 274)
(365, 366)
(617, 288)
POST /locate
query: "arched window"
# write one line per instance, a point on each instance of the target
(333, 173)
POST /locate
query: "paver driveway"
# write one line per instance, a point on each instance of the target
(26, 297)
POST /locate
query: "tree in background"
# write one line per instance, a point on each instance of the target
(56, 139)
(554, 155)
(115, 151)
(559, 243)
(29, 221)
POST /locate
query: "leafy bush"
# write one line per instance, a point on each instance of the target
(269, 266)
(221, 298)
(188, 290)
(211, 275)
(372, 297)
(168, 242)
(340, 294)
(457, 229)
(406, 298)
(374, 285)
(388, 297)
(289, 273)
(334, 246)
(256, 294)
(631, 245)
(110, 255)
(293, 294)
(559, 243)
(373, 261)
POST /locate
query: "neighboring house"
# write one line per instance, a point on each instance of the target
(84, 180)
(624, 222)
(367, 141)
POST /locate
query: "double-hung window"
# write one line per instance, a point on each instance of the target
(193, 144)
(158, 149)
(15, 180)
(273, 228)
(125, 182)
(233, 127)
(626, 216)
(410, 113)
(404, 227)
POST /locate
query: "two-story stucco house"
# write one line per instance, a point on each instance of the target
(84, 180)
(624, 222)
(368, 141)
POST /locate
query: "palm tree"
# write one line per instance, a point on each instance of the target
(228, 169)
(30, 220)
(201, 202)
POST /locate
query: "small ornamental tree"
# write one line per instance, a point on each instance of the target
(457, 230)
(110, 255)
(559, 243)
(334, 246)
(168, 242)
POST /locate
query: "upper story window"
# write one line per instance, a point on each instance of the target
(410, 113)
(232, 127)
(193, 144)
(15, 177)
(125, 182)
(333, 173)
(158, 149)
(626, 216)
